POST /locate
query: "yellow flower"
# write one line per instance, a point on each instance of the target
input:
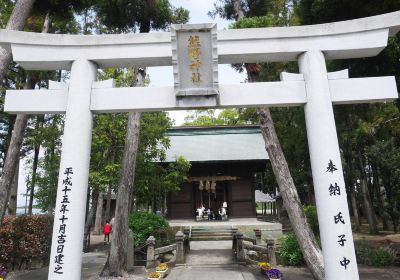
(264, 265)
(154, 275)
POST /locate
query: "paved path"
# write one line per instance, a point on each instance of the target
(210, 252)
(208, 260)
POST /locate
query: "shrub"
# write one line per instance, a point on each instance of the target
(290, 250)
(382, 256)
(312, 218)
(144, 224)
(25, 238)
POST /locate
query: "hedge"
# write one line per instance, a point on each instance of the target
(24, 239)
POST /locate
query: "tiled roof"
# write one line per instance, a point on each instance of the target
(216, 143)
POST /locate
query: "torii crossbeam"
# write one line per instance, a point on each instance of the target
(314, 88)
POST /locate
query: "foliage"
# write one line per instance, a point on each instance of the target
(25, 238)
(374, 256)
(312, 218)
(382, 256)
(131, 15)
(254, 22)
(290, 250)
(144, 225)
(207, 118)
(47, 178)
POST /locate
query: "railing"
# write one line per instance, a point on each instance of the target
(242, 245)
(181, 246)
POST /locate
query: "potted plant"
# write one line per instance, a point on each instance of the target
(162, 268)
(264, 266)
(154, 276)
(274, 273)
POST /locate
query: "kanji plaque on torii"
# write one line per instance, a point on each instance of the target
(314, 88)
(195, 64)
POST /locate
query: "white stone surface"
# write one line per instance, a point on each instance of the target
(363, 90)
(347, 39)
(324, 147)
(76, 146)
(105, 99)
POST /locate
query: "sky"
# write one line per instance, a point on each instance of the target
(162, 76)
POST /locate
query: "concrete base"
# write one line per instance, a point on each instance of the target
(244, 225)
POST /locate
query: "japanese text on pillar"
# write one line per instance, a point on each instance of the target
(61, 238)
(334, 190)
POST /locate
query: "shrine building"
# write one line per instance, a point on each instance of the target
(224, 160)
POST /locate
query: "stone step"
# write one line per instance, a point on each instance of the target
(210, 238)
(214, 233)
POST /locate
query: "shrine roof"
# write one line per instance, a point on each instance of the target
(216, 143)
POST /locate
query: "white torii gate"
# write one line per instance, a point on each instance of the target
(314, 88)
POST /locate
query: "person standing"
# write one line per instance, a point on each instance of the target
(107, 231)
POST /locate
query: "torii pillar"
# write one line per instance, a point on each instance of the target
(329, 187)
(69, 215)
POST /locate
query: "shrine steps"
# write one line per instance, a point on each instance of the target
(204, 233)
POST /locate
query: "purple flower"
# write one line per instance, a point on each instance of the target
(274, 273)
(3, 272)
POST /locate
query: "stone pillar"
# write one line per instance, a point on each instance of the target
(239, 247)
(330, 191)
(186, 242)
(130, 258)
(257, 233)
(180, 253)
(69, 216)
(271, 250)
(151, 243)
(234, 232)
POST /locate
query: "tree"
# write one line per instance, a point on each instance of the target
(17, 21)
(123, 16)
(311, 251)
(362, 126)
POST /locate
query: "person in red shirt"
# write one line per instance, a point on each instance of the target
(107, 231)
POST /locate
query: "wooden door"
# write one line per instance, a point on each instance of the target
(180, 204)
(241, 202)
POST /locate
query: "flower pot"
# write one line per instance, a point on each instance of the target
(162, 271)
(149, 278)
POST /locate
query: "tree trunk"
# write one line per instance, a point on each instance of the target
(89, 219)
(373, 229)
(237, 6)
(99, 215)
(34, 169)
(380, 198)
(116, 263)
(12, 202)
(308, 244)
(108, 204)
(356, 214)
(16, 22)
(350, 182)
(13, 153)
